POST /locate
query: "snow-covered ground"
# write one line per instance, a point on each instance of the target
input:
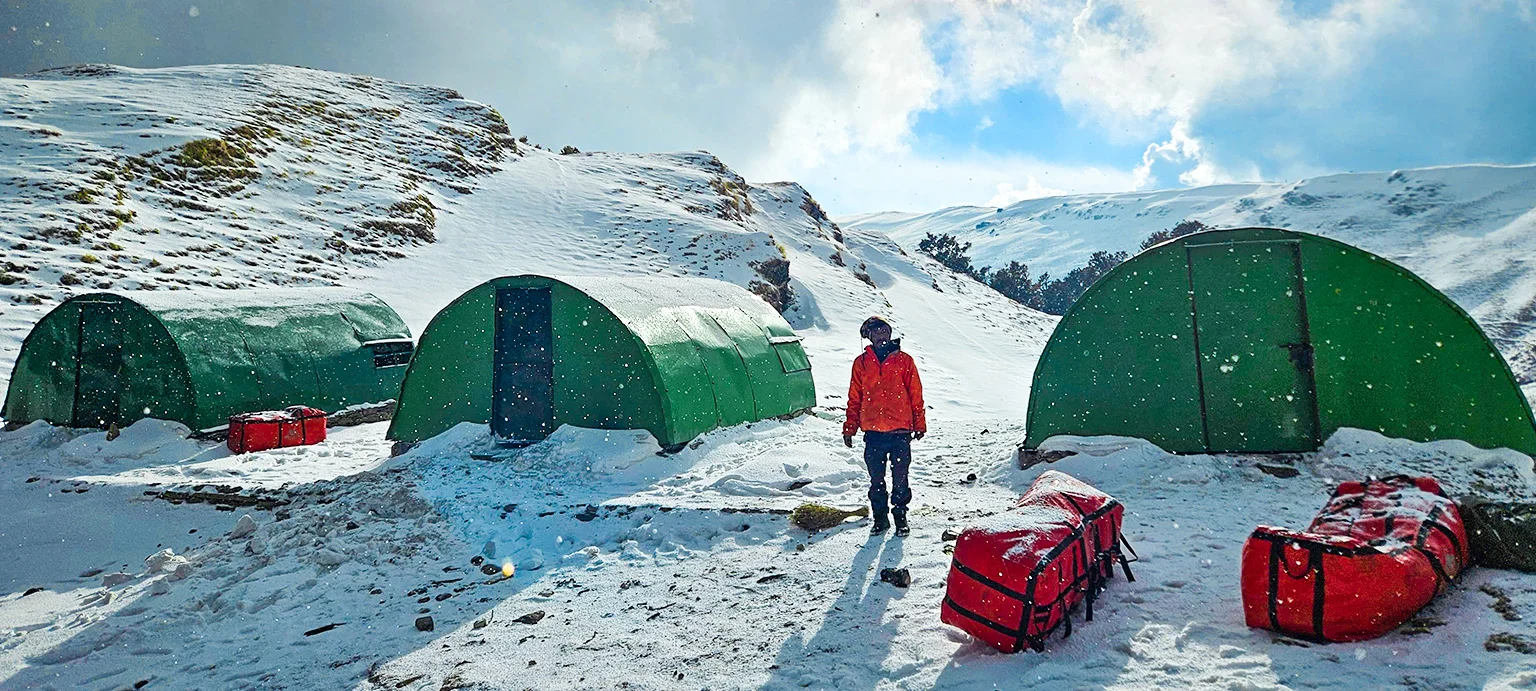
(628, 569)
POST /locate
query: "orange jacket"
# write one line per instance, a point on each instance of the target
(885, 396)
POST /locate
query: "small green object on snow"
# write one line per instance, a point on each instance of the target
(815, 517)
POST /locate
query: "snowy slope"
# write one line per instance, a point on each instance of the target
(1468, 230)
(629, 569)
(336, 170)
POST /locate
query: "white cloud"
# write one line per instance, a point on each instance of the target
(882, 76)
(903, 181)
(1007, 195)
(638, 33)
(1135, 68)
(985, 124)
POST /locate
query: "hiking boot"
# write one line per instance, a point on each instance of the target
(901, 525)
(878, 527)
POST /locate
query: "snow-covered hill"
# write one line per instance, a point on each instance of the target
(629, 569)
(1469, 230)
(232, 176)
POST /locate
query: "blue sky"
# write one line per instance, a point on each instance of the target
(903, 104)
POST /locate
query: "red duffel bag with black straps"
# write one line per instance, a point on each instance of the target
(272, 429)
(1017, 576)
(1376, 554)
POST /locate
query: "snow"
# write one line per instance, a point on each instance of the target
(629, 566)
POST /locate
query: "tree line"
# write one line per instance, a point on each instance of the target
(1047, 294)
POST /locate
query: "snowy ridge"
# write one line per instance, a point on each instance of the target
(1469, 230)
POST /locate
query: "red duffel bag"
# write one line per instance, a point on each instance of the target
(1018, 575)
(271, 429)
(1375, 555)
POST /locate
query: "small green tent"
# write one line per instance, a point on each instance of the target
(1263, 340)
(675, 356)
(198, 357)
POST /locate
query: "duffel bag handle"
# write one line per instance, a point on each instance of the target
(1285, 561)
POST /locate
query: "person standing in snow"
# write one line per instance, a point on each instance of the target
(885, 400)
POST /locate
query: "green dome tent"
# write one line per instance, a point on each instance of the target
(675, 356)
(198, 357)
(1262, 340)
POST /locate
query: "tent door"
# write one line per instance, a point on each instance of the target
(523, 384)
(1255, 352)
(99, 366)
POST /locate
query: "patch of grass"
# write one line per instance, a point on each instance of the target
(1501, 602)
(89, 259)
(83, 195)
(212, 153)
(70, 279)
(1501, 642)
(1421, 625)
(498, 123)
(568, 150)
(7, 279)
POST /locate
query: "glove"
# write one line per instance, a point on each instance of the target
(918, 435)
(848, 440)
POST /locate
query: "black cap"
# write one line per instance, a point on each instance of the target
(870, 323)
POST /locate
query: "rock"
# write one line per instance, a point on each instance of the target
(115, 579)
(159, 561)
(161, 586)
(327, 557)
(476, 560)
(243, 527)
(1279, 471)
(531, 617)
(490, 569)
(424, 624)
(900, 578)
(489, 549)
(180, 571)
(33, 590)
(89, 573)
(949, 535)
(481, 623)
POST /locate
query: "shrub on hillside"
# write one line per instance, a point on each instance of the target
(1182, 228)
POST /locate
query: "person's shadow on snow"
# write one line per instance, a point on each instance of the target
(848, 649)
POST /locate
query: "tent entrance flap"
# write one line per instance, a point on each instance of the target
(99, 366)
(1255, 352)
(523, 387)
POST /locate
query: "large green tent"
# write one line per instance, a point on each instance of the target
(1263, 340)
(198, 357)
(675, 356)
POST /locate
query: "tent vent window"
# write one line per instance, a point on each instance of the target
(391, 353)
(791, 354)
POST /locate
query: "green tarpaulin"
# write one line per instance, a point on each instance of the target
(198, 357)
(675, 356)
(1264, 340)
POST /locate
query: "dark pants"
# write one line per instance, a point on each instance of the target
(894, 448)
